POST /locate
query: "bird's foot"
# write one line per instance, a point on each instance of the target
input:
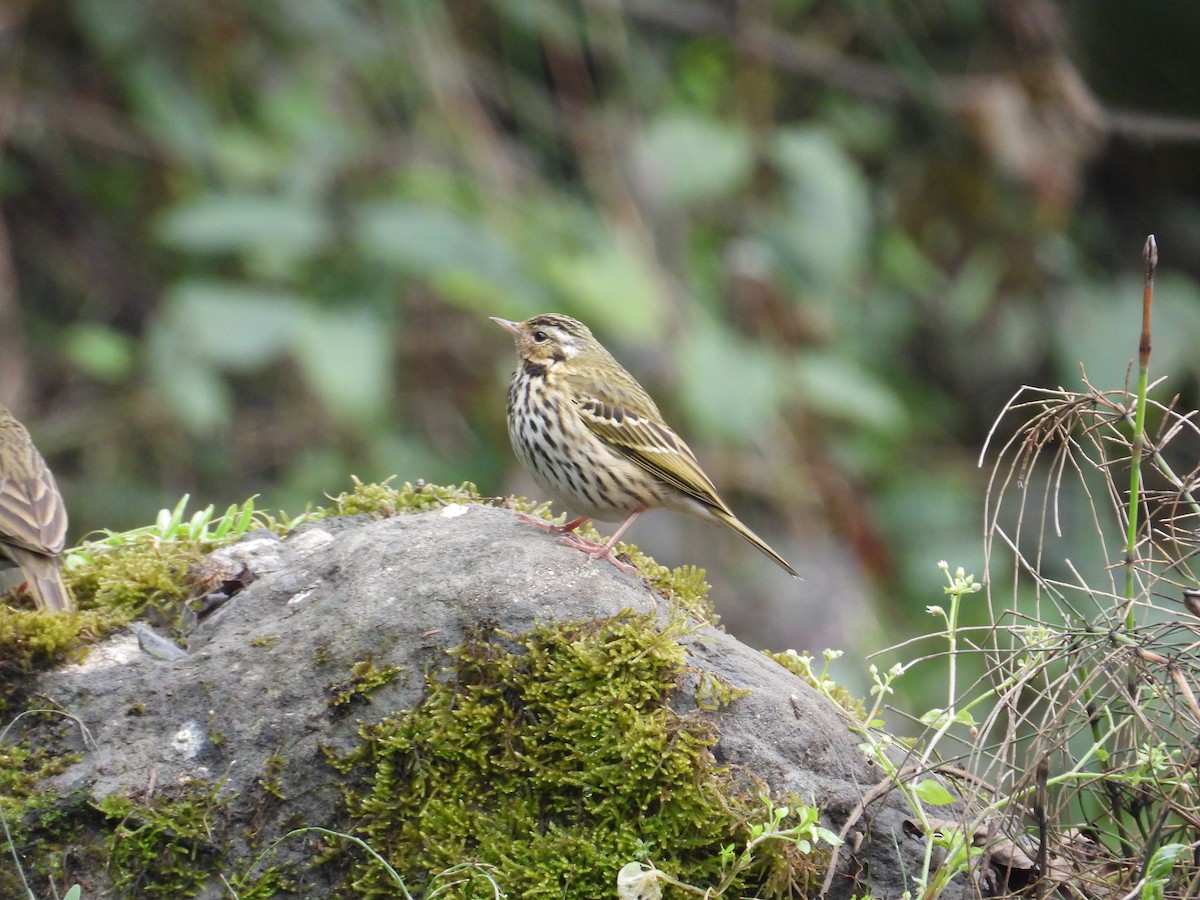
(593, 549)
(596, 550)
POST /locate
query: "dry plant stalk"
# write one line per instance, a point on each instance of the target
(1095, 682)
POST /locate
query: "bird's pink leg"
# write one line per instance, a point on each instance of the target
(602, 551)
(594, 549)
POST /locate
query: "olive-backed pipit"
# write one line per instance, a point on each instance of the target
(594, 440)
(33, 519)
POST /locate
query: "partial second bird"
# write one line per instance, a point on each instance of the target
(594, 440)
(33, 518)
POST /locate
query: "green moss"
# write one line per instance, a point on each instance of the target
(713, 692)
(365, 678)
(35, 817)
(264, 640)
(323, 655)
(32, 641)
(382, 500)
(172, 846)
(216, 734)
(162, 848)
(269, 781)
(140, 573)
(558, 757)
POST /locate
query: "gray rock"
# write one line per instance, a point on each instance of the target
(253, 684)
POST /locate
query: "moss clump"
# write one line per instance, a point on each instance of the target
(365, 678)
(35, 817)
(559, 760)
(142, 572)
(382, 500)
(32, 641)
(170, 846)
(162, 849)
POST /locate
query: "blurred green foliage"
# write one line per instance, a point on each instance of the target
(252, 245)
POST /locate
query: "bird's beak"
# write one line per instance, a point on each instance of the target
(513, 328)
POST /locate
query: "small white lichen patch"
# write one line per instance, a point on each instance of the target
(454, 510)
(188, 740)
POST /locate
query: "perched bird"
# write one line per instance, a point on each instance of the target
(33, 519)
(594, 440)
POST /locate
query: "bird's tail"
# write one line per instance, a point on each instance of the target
(736, 524)
(43, 579)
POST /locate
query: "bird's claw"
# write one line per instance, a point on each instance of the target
(596, 550)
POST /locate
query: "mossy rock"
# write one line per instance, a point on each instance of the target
(450, 688)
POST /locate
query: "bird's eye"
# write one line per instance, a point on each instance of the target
(540, 336)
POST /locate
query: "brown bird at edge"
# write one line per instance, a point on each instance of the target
(33, 519)
(594, 440)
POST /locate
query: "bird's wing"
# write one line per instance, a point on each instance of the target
(625, 418)
(32, 514)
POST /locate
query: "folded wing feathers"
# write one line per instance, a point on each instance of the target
(32, 514)
(653, 446)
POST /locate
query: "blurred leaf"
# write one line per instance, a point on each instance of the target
(902, 260)
(243, 156)
(168, 108)
(346, 356)
(686, 158)
(114, 25)
(972, 290)
(230, 326)
(102, 352)
(468, 262)
(232, 223)
(1101, 326)
(613, 289)
(728, 388)
(704, 69)
(839, 389)
(825, 224)
(544, 19)
(930, 511)
(195, 394)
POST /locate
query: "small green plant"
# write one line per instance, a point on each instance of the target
(204, 526)
(804, 835)
(910, 772)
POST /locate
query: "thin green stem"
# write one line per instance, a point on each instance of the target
(1150, 259)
